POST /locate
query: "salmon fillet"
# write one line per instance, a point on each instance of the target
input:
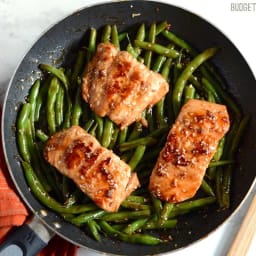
(190, 146)
(117, 85)
(97, 171)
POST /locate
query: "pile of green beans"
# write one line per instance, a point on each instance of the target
(55, 103)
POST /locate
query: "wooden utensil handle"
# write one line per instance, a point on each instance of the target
(245, 234)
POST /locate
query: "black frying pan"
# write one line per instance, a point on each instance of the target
(61, 42)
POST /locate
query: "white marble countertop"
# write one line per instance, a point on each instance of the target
(22, 22)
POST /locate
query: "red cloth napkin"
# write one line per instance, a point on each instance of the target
(12, 210)
(14, 213)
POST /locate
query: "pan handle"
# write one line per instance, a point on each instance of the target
(27, 240)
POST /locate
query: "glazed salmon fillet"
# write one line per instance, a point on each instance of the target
(97, 171)
(116, 85)
(190, 146)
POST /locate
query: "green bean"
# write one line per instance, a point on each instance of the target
(209, 88)
(51, 99)
(222, 93)
(159, 108)
(145, 141)
(195, 82)
(156, 225)
(136, 131)
(118, 226)
(159, 63)
(40, 193)
(45, 172)
(74, 197)
(239, 133)
(134, 238)
(93, 129)
(157, 204)
(140, 36)
(106, 34)
(151, 39)
(166, 68)
(161, 27)
(140, 239)
(94, 229)
(137, 199)
(135, 205)
(92, 43)
(114, 138)
(85, 217)
(41, 135)
(65, 186)
(210, 97)
(141, 33)
(89, 124)
(186, 73)
(124, 215)
(100, 126)
(165, 212)
(207, 72)
(189, 93)
(221, 162)
(107, 132)
(177, 70)
(160, 118)
(22, 130)
(157, 48)
(122, 36)
(107, 228)
(41, 97)
(56, 72)
(169, 106)
(229, 139)
(226, 187)
(132, 51)
(218, 185)
(205, 186)
(227, 175)
(194, 204)
(34, 153)
(62, 77)
(217, 156)
(59, 106)
(178, 41)
(114, 36)
(33, 95)
(137, 128)
(134, 226)
(77, 108)
(150, 119)
(78, 67)
(137, 156)
(122, 135)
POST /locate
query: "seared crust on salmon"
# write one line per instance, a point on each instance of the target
(191, 144)
(117, 85)
(97, 171)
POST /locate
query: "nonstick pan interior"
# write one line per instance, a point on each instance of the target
(59, 45)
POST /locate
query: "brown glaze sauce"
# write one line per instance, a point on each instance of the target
(107, 176)
(79, 152)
